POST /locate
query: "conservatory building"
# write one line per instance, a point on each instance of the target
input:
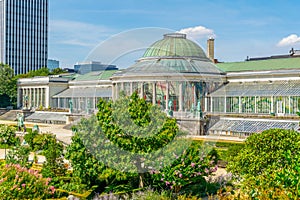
(174, 73)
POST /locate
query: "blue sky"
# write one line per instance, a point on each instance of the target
(242, 28)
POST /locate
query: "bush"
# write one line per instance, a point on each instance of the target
(17, 182)
(268, 166)
(29, 138)
(8, 135)
(18, 155)
(190, 168)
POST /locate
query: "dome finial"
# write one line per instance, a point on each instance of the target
(175, 35)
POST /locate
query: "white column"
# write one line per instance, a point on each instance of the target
(142, 90)
(19, 97)
(180, 98)
(205, 103)
(225, 104)
(131, 88)
(34, 97)
(289, 104)
(117, 91)
(240, 104)
(42, 97)
(38, 97)
(47, 97)
(272, 104)
(113, 90)
(255, 104)
(154, 93)
(30, 98)
(167, 96)
(58, 102)
(211, 104)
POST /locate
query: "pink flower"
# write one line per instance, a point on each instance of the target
(193, 164)
(52, 188)
(167, 183)
(180, 175)
(206, 171)
(14, 187)
(23, 185)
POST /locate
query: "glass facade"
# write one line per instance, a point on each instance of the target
(276, 98)
(177, 96)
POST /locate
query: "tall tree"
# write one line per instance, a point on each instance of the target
(8, 85)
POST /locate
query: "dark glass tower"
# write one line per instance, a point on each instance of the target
(24, 34)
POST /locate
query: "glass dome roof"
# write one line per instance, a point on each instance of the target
(175, 45)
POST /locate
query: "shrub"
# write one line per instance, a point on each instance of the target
(268, 166)
(29, 138)
(17, 182)
(190, 168)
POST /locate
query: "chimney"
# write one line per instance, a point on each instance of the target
(211, 49)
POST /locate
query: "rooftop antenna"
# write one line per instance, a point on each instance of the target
(292, 52)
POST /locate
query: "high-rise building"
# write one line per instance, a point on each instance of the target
(52, 64)
(24, 34)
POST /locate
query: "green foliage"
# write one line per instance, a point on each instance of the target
(85, 166)
(54, 165)
(29, 138)
(268, 165)
(40, 72)
(41, 141)
(17, 182)
(8, 84)
(57, 71)
(264, 151)
(8, 135)
(188, 169)
(18, 155)
(214, 156)
(127, 122)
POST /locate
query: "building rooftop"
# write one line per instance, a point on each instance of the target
(175, 45)
(261, 64)
(174, 54)
(96, 75)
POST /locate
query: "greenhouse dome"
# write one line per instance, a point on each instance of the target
(173, 73)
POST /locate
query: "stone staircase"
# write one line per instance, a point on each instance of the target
(10, 115)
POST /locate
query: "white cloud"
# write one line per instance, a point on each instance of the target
(290, 40)
(76, 33)
(198, 32)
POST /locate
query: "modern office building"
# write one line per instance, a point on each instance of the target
(24, 34)
(52, 64)
(92, 66)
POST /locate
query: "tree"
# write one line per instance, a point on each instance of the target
(57, 71)
(261, 163)
(8, 135)
(8, 86)
(85, 165)
(136, 127)
(54, 165)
